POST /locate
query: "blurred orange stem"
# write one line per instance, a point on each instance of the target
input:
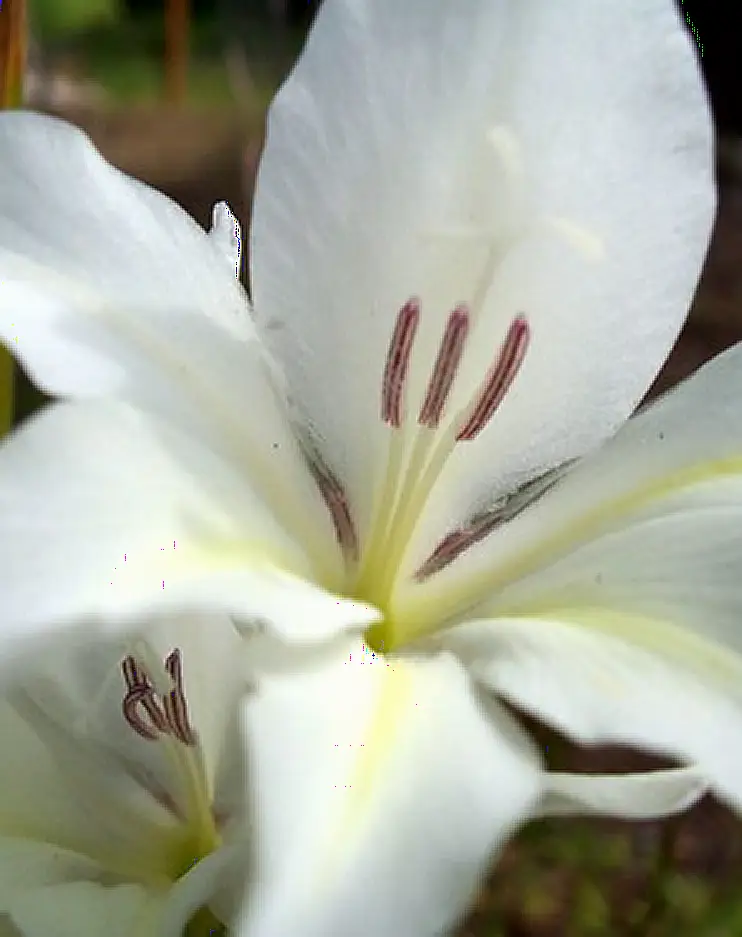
(177, 20)
(12, 69)
(12, 51)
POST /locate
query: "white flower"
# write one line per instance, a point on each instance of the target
(475, 238)
(123, 779)
(126, 779)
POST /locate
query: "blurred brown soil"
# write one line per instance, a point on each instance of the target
(559, 877)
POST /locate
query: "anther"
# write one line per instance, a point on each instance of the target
(140, 692)
(499, 380)
(448, 549)
(168, 715)
(446, 365)
(176, 708)
(481, 525)
(337, 504)
(397, 363)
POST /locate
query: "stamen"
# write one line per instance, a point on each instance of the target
(397, 363)
(175, 704)
(337, 503)
(481, 525)
(446, 365)
(141, 691)
(448, 549)
(169, 717)
(176, 708)
(499, 380)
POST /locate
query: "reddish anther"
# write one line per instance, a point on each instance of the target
(448, 549)
(397, 362)
(499, 380)
(446, 365)
(176, 708)
(337, 504)
(482, 525)
(140, 693)
(458, 541)
(168, 715)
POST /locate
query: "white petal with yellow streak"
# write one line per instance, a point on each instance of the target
(606, 677)
(383, 788)
(675, 463)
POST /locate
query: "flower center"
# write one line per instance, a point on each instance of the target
(418, 450)
(416, 457)
(163, 717)
(416, 460)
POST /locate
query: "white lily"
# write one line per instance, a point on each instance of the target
(127, 792)
(475, 238)
(123, 779)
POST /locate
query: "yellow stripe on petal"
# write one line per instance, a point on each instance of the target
(383, 732)
(677, 645)
(608, 514)
(375, 752)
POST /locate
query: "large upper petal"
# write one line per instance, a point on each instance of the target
(415, 151)
(108, 288)
(106, 513)
(382, 788)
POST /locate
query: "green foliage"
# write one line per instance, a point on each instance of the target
(54, 19)
(583, 878)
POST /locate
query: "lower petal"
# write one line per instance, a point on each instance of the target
(671, 465)
(26, 865)
(106, 513)
(49, 892)
(383, 788)
(88, 909)
(577, 673)
(645, 795)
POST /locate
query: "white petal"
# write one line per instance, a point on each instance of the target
(642, 796)
(87, 909)
(78, 801)
(26, 865)
(204, 884)
(638, 550)
(50, 893)
(87, 251)
(382, 790)
(226, 235)
(410, 147)
(84, 796)
(649, 524)
(574, 671)
(106, 513)
(73, 698)
(47, 892)
(109, 288)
